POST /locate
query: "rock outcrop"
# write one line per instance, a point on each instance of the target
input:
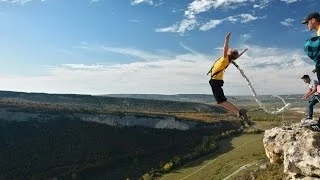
(112, 119)
(297, 148)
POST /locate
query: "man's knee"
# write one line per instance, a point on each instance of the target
(311, 104)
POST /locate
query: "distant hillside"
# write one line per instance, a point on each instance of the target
(147, 103)
(103, 103)
(202, 98)
(294, 99)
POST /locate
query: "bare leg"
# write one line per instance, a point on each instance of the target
(241, 113)
(227, 105)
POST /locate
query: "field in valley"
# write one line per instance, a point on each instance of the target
(241, 157)
(65, 147)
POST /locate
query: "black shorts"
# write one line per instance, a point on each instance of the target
(216, 86)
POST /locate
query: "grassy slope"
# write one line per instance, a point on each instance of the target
(237, 152)
(233, 154)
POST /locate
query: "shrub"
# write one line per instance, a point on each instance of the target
(167, 166)
(146, 176)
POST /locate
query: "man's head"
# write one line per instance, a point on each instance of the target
(306, 78)
(233, 54)
(312, 21)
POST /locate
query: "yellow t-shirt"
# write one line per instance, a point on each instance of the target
(318, 32)
(220, 64)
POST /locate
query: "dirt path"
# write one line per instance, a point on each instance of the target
(238, 170)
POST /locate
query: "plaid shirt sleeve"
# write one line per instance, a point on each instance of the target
(312, 49)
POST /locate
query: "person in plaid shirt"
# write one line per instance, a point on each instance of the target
(312, 45)
(312, 49)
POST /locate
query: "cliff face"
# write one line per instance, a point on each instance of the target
(152, 121)
(126, 119)
(297, 148)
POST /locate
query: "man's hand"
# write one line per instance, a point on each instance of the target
(228, 36)
(304, 96)
(241, 53)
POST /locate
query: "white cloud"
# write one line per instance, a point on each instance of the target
(262, 4)
(135, 2)
(135, 21)
(196, 7)
(140, 54)
(287, 22)
(94, 1)
(242, 18)
(173, 28)
(211, 24)
(245, 37)
(290, 1)
(247, 18)
(184, 25)
(23, 2)
(20, 2)
(271, 70)
(200, 6)
(232, 19)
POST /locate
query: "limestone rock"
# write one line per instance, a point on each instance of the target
(297, 148)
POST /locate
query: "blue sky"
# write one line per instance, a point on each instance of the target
(151, 46)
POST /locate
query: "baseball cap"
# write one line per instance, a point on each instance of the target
(305, 76)
(315, 15)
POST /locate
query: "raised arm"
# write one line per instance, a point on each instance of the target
(242, 53)
(226, 45)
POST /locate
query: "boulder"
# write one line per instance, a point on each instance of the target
(297, 148)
